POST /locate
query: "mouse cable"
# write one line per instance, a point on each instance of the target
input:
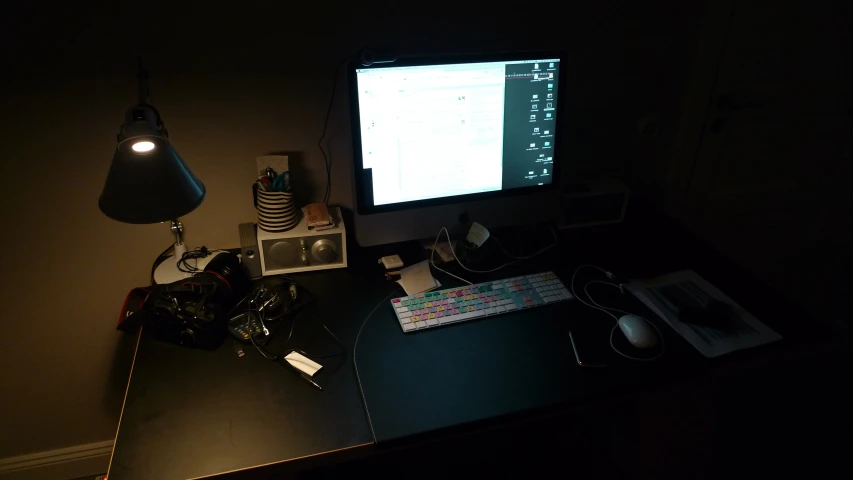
(614, 285)
(354, 359)
(572, 287)
(638, 359)
(608, 311)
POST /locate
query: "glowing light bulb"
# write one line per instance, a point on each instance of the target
(143, 146)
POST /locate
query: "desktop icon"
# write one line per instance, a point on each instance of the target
(535, 96)
(550, 158)
(544, 171)
(541, 155)
(547, 132)
(535, 76)
(536, 130)
(535, 66)
(549, 105)
(532, 145)
(531, 172)
(547, 115)
(550, 75)
(550, 95)
(550, 86)
(547, 144)
(551, 65)
(534, 106)
(533, 117)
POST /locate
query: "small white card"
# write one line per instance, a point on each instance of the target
(417, 278)
(303, 363)
(478, 234)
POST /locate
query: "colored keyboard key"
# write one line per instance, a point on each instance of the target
(449, 306)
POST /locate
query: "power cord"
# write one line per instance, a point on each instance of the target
(326, 159)
(260, 314)
(609, 311)
(355, 362)
(452, 251)
(159, 260)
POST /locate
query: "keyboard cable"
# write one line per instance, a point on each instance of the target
(355, 360)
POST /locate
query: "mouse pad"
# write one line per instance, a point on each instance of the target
(443, 377)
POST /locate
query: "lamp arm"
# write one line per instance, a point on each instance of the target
(178, 229)
(145, 95)
(142, 76)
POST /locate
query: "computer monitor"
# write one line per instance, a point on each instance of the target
(435, 138)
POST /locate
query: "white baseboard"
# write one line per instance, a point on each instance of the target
(60, 464)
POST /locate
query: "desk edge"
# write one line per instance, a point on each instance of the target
(124, 401)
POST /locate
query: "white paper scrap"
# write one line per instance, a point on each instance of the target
(478, 234)
(417, 278)
(303, 363)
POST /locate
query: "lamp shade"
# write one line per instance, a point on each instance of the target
(148, 182)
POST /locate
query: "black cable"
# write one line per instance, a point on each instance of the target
(240, 303)
(159, 260)
(303, 352)
(195, 254)
(253, 310)
(261, 351)
(337, 340)
(326, 159)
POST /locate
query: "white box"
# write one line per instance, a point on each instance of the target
(301, 250)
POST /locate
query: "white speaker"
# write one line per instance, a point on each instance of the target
(302, 250)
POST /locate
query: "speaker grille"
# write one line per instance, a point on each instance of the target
(248, 235)
(249, 249)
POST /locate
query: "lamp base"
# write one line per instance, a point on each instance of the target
(168, 272)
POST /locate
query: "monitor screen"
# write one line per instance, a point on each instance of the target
(435, 131)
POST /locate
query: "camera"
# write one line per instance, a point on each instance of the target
(192, 312)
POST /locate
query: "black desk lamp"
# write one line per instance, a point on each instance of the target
(148, 181)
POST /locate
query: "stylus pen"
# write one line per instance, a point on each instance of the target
(312, 382)
(303, 376)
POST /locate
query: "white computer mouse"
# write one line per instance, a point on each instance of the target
(638, 331)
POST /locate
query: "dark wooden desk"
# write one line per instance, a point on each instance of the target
(190, 413)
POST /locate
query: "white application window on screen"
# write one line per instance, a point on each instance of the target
(432, 131)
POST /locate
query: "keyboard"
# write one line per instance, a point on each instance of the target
(452, 305)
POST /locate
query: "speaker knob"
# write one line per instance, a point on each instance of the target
(324, 251)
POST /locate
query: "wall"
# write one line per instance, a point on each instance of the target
(233, 83)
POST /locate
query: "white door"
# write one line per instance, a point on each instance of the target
(769, 180)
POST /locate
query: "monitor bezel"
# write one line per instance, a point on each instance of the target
(359, 174)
